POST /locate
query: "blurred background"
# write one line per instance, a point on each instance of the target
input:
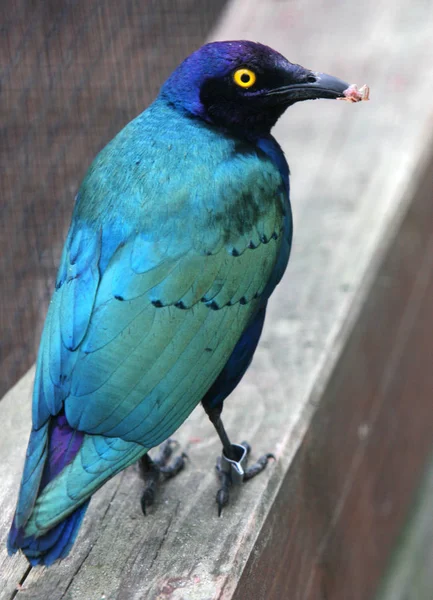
(73, 73)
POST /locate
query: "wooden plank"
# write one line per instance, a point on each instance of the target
(339, 508)
(410, 574)
(355, 170)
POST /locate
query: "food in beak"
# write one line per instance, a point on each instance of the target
(352, 94)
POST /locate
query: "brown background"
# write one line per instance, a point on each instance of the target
(72, 74)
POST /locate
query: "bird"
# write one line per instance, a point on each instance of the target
(180, 232)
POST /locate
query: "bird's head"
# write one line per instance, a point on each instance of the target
(244, 87)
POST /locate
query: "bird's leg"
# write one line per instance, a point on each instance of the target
(232, 464)
(157, 469)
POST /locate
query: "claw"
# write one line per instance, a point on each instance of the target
(258, 466)
(165, 452)
(222, 497)
(154, 470)
(175, 467)
(147, 498)
(235, 471)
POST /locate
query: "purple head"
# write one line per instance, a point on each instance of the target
(244, 87)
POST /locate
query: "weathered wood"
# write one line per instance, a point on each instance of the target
(292, 532)
(338, 510)
(410, 575)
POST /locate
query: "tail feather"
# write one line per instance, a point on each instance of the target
(98, 460)
(34, 465)
(51, 448)
(53, 545)
(64, 467)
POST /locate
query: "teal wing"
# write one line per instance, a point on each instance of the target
(155, 345)
(144, 318)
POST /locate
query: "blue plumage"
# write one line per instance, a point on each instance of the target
(180, 232)
(59, 443)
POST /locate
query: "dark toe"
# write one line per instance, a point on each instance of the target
(222, 499)
(147, 498)
(259, 466)
(154, 471)
(176, 466)
(165, 452)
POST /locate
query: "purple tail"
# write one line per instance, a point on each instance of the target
(52, 546)
(54, 453)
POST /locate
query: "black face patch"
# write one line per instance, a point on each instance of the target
(235, 85)
(247, 112)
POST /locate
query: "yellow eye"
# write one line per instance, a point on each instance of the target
(245, 78)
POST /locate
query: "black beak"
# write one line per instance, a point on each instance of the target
(313, 85)
(324, 86)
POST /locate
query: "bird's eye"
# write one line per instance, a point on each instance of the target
(244, 78)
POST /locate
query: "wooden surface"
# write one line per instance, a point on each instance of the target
(339, 508)
(410, 575)
(72, 73)
(337, 389)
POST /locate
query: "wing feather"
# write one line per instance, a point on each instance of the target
(157, 283)
(134, 339)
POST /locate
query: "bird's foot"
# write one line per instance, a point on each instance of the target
(158, 469)
(235, 471)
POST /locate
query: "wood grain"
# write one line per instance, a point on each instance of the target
(339, 508)
(330, 389)
(410, 574)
